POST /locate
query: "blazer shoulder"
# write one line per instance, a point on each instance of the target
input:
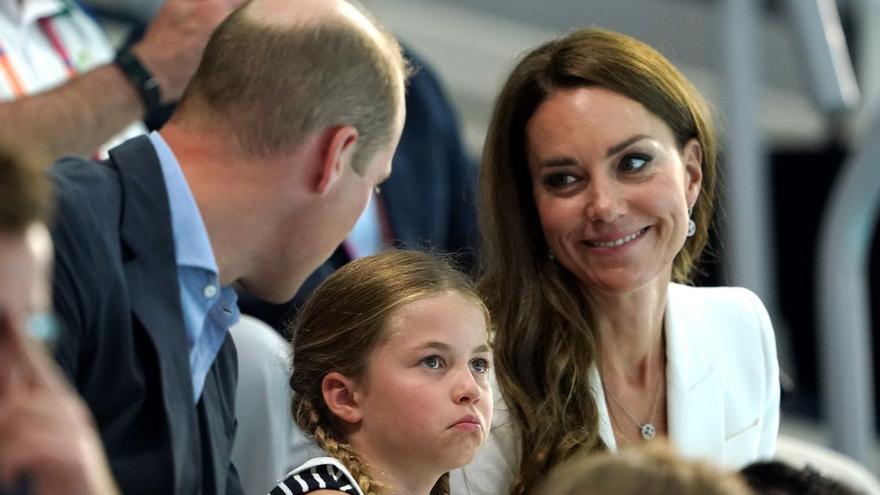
(87, 265)
(723, 319)
(73, 173)
(733, 304)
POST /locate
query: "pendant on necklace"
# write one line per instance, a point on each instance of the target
(648, 431)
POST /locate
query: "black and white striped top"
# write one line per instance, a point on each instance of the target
(320, 473)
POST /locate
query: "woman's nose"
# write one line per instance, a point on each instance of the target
(603, 201)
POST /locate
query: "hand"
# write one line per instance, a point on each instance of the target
(173, 44)
(46, 431)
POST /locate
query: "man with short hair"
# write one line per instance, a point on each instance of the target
(285, 129)
(47, 441)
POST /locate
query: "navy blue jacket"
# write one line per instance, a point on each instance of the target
(125, 346)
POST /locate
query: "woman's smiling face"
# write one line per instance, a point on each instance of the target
(611, 187)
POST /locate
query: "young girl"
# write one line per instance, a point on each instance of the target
(391, 377)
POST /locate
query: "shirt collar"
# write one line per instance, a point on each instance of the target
(191, 243)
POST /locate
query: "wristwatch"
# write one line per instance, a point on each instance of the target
(141, 78)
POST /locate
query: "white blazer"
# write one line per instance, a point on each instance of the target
(722, 392)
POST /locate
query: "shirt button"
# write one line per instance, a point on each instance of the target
(210, 290)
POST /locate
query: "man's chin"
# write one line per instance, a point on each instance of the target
(278, 293)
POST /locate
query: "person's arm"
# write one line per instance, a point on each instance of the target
(83, 113)
(75, 118)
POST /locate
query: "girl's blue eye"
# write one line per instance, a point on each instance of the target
(432, 362)
(479, 365)
(634, 163)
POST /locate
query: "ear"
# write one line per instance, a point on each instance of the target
(692, 156)
(336, 155)
(341, 397)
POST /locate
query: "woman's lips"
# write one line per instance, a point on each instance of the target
(620, 241)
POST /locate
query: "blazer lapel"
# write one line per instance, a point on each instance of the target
(216, 408)
(154, 292)
(695, 394)
(606, 430)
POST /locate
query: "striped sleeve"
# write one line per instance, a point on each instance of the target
(316, 477)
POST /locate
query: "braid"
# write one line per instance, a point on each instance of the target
(309, 420)
(442, 485)
(352, 461)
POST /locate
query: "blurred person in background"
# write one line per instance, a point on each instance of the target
(48, 442)
(779, 478)
(648, 470)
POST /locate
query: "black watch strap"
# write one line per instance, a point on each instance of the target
(141, 78)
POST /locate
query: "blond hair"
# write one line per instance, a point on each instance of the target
(340, 325)
(25, 193)
(280, 83)
(652, 469)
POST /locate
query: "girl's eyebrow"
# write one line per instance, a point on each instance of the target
(435, 345)
(446, 347)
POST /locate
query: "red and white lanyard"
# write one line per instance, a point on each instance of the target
(11, 74)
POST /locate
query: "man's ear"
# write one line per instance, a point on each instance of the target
(342, 397)
(336, 155)
(692, 156)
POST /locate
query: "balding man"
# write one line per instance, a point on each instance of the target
(289, 122)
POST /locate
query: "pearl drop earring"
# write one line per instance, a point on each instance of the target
(692, 227)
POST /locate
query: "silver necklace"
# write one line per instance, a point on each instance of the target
(647, 429)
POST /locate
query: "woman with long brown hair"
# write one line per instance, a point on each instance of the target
(597, 194)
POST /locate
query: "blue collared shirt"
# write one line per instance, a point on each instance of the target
(208, 309)
(365, 237)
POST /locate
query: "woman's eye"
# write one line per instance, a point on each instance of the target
(558, 180)
(634, 163)
(432, 362)
(479, 365)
